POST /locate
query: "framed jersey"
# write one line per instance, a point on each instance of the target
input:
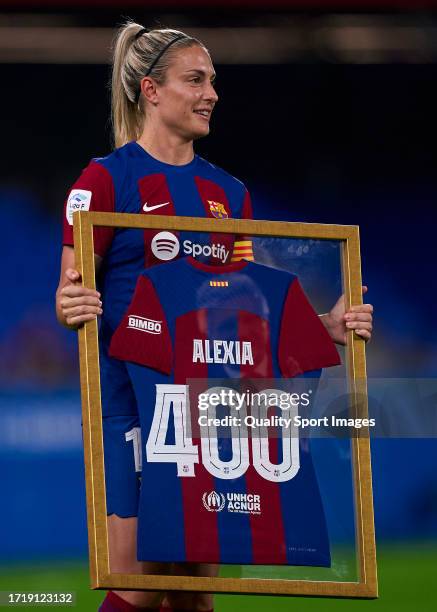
(212, 389)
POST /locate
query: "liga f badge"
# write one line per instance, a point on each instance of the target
(217, 209)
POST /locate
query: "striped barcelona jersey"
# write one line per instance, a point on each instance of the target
(206, 495)
(129, 180)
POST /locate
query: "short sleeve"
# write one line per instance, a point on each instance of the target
(304, 343)
(247, 210)
(93, 190)
(243, 248)
(143, 336)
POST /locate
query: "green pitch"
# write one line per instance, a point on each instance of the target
(407, 581)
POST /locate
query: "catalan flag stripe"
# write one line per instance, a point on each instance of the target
(242, 250)
(247, 258)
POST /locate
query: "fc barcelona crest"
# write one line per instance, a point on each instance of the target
(218, 210)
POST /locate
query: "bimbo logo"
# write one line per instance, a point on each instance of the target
(213, 502)
(146, 325)
(165, 246)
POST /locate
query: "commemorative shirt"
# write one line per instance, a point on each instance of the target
(207, 496)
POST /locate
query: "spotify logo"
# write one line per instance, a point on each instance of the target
(165, 246)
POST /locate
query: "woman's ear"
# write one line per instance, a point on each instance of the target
(149, 89)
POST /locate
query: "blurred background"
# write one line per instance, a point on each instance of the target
(327, 112)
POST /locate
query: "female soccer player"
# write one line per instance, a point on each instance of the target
(162, 99)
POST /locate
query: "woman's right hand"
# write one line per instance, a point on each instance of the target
(75, 304)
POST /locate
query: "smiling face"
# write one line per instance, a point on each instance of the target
(184, 102)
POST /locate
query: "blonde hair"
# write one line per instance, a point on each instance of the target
(135, 52)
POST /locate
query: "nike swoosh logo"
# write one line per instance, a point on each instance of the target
(147, 208)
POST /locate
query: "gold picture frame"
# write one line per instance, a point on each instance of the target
(101, 576)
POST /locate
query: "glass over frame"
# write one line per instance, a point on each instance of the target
(326, 261)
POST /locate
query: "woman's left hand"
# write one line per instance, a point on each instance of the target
(358, 318)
